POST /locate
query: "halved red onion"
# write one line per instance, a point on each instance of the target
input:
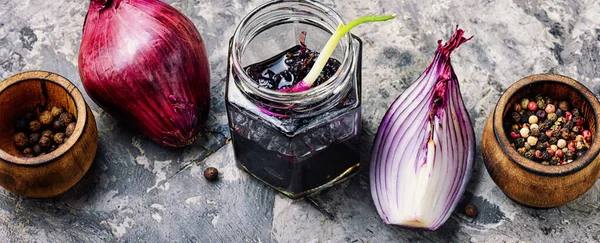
(423, 153)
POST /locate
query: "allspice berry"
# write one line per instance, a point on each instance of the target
(471, 210)
(27, 151)
(211, 174)
(56, 111)
(34, 138)
(21, 140)
(66, 118)
(47, 133)
(70, 129)
(35, 126)
(46, 118)
(45, 142)
(59, 138)
(57, 125)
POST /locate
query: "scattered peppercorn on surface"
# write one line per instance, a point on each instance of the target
(548, 131)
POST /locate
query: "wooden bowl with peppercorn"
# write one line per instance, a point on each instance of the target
(48, 135)
(540, 143)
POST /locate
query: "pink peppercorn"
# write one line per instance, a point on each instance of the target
(550, 133)
(538, 154)
(515, 135)
(550, 151)
(587, 135)
(532, 106)
(568, 115)
(550, 108)
(572, 149)
(579, 121)
(559, 153)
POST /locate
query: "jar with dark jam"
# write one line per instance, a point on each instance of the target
(298, 143)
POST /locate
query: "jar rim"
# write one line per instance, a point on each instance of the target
(333, 84)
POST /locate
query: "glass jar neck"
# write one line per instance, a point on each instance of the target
(313, 101)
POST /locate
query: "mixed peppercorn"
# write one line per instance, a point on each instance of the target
(547, 131)
(42, 131)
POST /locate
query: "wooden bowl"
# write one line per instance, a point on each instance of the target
(528, 182)
(53, 173)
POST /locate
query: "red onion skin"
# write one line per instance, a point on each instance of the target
(145, 63)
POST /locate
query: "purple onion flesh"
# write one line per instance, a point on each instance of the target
(424, 149)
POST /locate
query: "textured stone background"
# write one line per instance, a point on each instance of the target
(138, 191)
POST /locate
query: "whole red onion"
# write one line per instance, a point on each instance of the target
(145, 63)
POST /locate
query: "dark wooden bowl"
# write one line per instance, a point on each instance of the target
(529, 182)
(54, 173)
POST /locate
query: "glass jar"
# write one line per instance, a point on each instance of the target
(298, 143)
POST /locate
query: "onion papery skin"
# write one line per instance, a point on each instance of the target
(146, 64)
(423, 153)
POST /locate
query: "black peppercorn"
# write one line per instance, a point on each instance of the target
(56, 111)
(546, 156)
(549, 100)
(534, 132)
(45, 118)
(554, 161)
(540, 146)
(34, 138)
(557, 134)
(569, 155)
(565, 133)
(543, 126)
(471, 210)
(553, 140)
(575, 112)
(530, 154)
(211, 174)
(59, 138)
(568, 125)
(35, 126)
(525, 117)
(543, 137)
(519, 142)
(540, 113)
(559, 112)
(21, 140)
(516, 116)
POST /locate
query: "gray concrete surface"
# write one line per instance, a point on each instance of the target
(137, 191)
